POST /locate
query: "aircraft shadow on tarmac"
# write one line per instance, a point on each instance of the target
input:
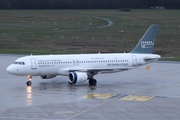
(54, 85)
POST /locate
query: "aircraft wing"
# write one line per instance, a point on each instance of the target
(97, 70)
(100, 70)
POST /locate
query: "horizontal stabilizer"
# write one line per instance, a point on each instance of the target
(154, 57)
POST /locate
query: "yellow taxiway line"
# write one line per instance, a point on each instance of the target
(98, 96)
(137, 98)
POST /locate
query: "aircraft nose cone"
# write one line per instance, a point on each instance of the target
(9, 69)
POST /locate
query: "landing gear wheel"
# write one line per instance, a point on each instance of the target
(28, 83)
(92, 81)
(29, 80)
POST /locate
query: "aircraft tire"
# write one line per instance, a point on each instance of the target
(92, 81)
(28, 83)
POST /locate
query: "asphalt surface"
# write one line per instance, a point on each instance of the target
(137, 94)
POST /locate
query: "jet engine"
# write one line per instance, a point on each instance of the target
(76, 77)
(48, 76)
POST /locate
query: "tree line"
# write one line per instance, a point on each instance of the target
(87, 4)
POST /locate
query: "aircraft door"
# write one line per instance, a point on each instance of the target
(33, 63)
(134, 60)
(75, 62)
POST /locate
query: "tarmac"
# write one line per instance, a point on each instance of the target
(138, 94)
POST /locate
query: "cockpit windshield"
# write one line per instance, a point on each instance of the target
(19, 63)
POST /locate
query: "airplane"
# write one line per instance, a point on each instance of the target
(83, 67)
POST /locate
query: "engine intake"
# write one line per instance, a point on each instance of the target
(76, 77)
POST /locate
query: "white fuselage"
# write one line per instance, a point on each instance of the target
(40, 65)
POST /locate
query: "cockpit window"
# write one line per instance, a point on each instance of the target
(19, 63)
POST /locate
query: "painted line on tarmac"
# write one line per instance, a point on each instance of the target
(64, 112)
(137, 98)
(92, 108)
(98, 96)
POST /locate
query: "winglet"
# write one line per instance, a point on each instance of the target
(148, 67)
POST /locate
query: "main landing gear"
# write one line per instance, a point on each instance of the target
(29, 80)
(92, 81)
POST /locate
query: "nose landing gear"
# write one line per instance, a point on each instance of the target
(29, 80)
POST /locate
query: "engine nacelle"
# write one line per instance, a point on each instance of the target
(76, 77)
(48, 76)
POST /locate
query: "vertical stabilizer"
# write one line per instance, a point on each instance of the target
(146, 44)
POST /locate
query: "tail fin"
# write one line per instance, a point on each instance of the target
(146, 44)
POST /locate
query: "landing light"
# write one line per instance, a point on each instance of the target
(29, 77)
